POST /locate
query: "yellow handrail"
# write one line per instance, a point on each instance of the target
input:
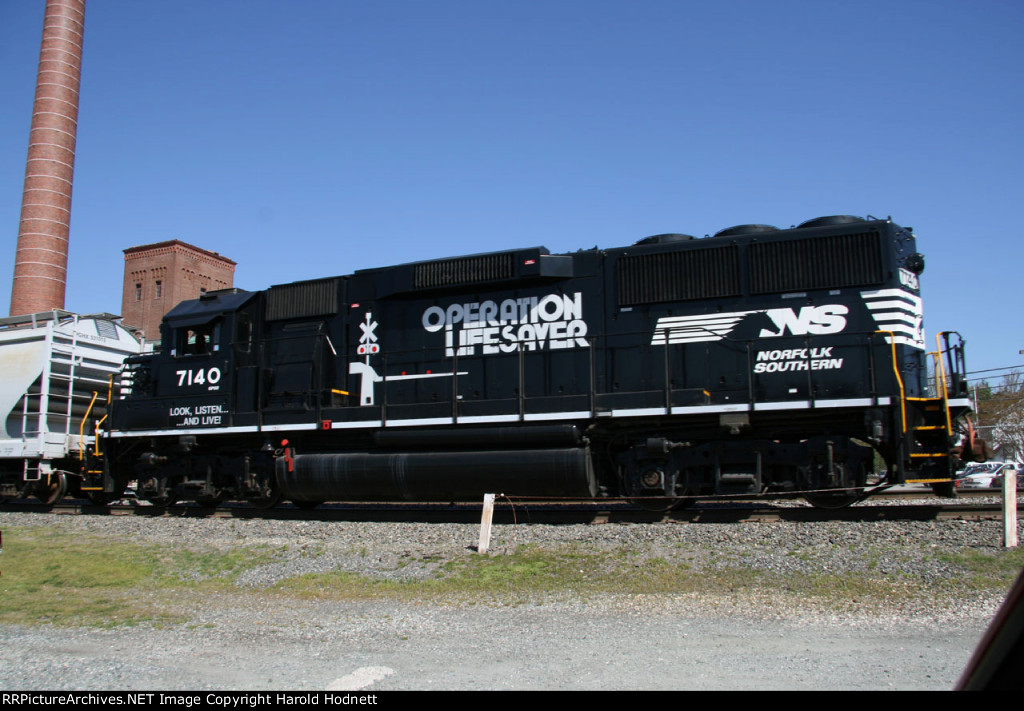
(96, 442)
(896, 371)
(945, 391)
(81, 427)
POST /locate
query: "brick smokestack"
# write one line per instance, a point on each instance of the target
(40, 267)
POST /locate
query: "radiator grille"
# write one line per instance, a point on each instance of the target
(816, 263)
(464, 270)
(679, 276)
(302, 300)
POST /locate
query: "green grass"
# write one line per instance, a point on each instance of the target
(48, 576)
(532, 573)
(988, 569)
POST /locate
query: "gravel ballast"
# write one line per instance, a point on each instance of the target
(247, 638)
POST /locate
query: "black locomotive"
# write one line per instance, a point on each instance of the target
(758, 360)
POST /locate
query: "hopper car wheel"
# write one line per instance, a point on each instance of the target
(307, 505)
(52, 489)
(836, 500)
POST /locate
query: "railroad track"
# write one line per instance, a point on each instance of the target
(890, 505)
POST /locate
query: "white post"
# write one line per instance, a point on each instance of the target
(485, 524)
(1010, 507)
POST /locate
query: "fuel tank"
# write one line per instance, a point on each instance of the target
(436, 476)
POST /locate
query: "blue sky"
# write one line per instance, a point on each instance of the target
(314, 137)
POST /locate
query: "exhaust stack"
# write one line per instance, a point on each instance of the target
(40, 267)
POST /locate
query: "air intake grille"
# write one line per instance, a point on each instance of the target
(303, 300)
(465, 270)
(679, 276)
(817, 263)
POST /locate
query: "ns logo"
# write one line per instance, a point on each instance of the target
(814, 320)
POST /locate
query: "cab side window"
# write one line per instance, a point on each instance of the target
(199, 340)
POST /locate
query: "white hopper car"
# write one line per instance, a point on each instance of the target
(57, 370)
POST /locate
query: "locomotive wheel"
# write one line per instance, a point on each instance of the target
(210, 502)
(945, 489)
(266, 502)
(162, 502)
(105, 498)
(101, 498)
(52, 489)
(157, 492)
(834, 500)
(660, 504)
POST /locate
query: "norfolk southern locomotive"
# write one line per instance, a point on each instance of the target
(756, 361)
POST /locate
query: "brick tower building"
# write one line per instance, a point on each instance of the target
(159, 276)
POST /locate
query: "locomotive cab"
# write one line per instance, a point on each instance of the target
(203, 377)
(190, 381)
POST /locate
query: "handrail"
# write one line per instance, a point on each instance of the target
(941, 379)
(945, 390)
(81, 426)
(899, 380)
(96, 442)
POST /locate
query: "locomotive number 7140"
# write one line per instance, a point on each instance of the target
(202, 376)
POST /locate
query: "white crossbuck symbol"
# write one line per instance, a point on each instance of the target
(368, 376)
(368, 341)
